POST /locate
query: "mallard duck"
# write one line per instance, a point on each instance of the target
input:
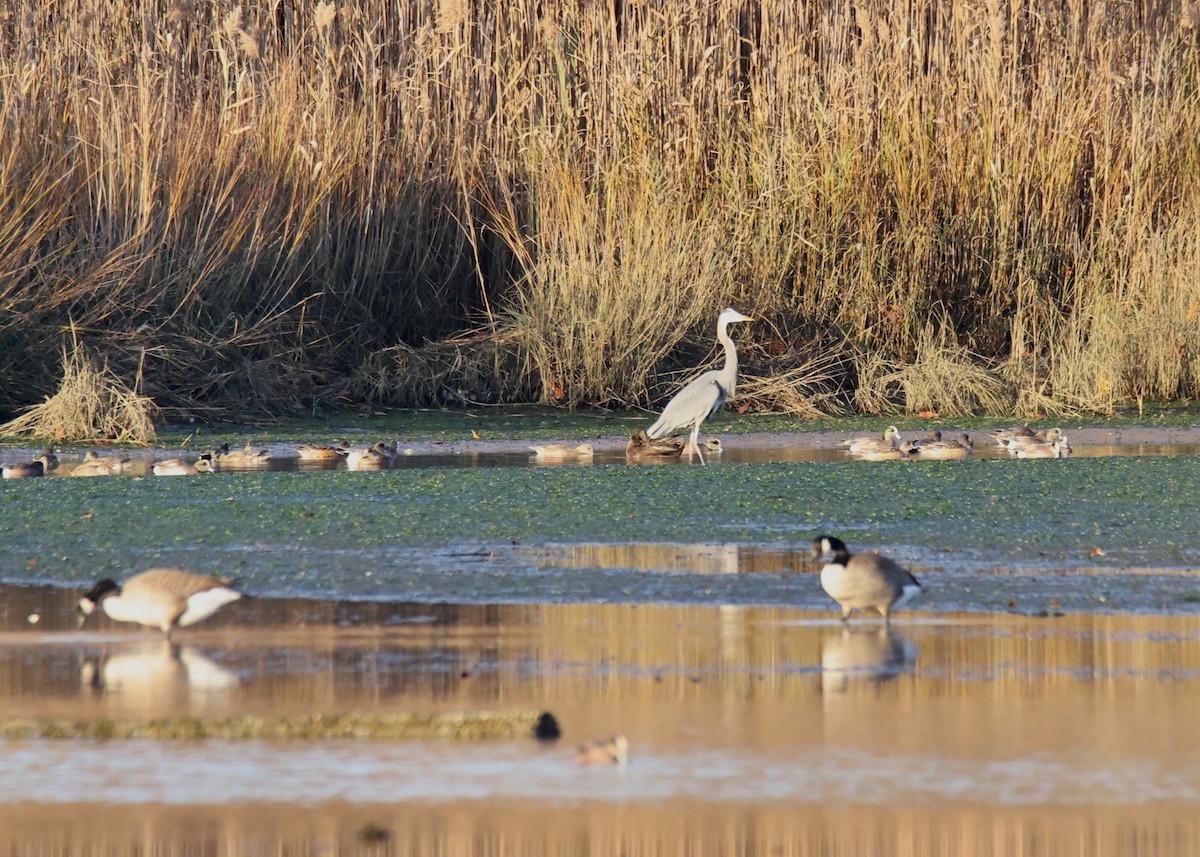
(605, 751)
(164, 598)
(887, 442)
(321, 452)
(865, 581)
(946, 449)
(562, 452)
(374, 457)
(179, 467)
(40, 466)
(97, 465)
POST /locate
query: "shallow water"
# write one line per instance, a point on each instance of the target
(743, 722)
(1039, 699)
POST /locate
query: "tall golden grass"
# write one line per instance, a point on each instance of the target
(253, 202)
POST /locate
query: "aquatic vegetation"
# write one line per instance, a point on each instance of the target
(456, 725)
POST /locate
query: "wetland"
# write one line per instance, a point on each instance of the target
(1038, 699)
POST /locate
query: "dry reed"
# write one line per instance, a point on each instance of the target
(253, 203)
(91, 404)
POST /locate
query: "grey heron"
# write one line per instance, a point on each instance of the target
(702, 396)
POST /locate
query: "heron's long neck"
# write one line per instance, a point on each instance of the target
(729, 371)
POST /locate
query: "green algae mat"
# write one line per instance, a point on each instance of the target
(463, 534)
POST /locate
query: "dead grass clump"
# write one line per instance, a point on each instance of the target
(91, 404)
(481, 368)
(944, 378)
(803, 385)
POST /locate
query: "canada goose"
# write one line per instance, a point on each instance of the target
(27, 469)
(163, 598)
(606, 751)
(179, 467)
(247, 458)
(889, 441)
(1057, 448)
(865, 581)
(703, 396)
(951, 449)
(562, 452)
(374, 457)
(321, 452)
(908, 449)
(49, 459)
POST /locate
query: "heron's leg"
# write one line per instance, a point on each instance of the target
(693, 444)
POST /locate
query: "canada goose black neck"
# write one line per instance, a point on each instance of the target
(834, 546)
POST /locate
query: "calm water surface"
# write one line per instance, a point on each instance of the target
(1040, 699)
(747, 725)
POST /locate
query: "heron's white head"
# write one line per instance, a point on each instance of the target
(731, 315)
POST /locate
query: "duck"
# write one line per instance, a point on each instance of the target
(374, 457)
(163, 598)
(713, 445)
(562, 452)
(605, 751)
(946, 449)
(642, 447)
(1042, 438)
(179, 467)
(1014, 437)
(321, 452)
(1003, 436)
(240, 458)
(908, 449)
(98, 465)
(888, 441)
(1055, 449)
(865, 581)
(40, 466)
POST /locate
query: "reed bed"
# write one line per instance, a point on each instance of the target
(254, 205)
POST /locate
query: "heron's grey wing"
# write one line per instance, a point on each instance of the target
(694, 402)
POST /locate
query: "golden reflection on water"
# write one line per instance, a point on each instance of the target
(663, 830)
(762, 685)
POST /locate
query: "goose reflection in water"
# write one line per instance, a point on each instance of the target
(864, 658)
(151, 675)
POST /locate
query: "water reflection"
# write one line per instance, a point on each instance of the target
(748, 727)
(142, 677)
(864, 657)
